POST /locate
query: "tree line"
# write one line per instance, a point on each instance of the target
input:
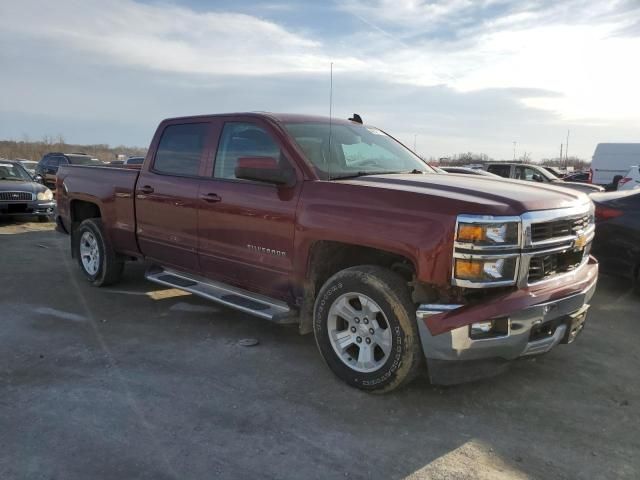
(470, 158)
(34, 150)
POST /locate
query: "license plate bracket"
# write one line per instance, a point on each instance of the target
(575, 324)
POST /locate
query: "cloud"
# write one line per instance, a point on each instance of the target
(170, 38)
(461, 73)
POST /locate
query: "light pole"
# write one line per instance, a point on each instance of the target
(514, 151)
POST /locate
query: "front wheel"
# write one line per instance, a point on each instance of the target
(365, 328)
(98, 261)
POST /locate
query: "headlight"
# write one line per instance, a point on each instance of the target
(488, 234)
(486, 251)
(495, 270)
(44, 196)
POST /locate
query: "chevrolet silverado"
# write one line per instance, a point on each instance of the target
(338, 228)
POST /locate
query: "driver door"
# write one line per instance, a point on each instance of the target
(246, 228)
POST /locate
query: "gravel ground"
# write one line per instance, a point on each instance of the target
(140, 382)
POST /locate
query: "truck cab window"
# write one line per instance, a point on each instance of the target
(241, 140)
(180, 149)
(528, 174)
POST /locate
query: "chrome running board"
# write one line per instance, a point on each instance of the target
(234, 297)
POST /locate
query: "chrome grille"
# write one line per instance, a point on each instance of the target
(546, 266)
(558, 228)
(15, 196)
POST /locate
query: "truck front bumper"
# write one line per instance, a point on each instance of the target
(537, 319)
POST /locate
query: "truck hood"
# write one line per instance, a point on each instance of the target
(488, 195)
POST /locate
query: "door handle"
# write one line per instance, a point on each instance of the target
(211, 197)
(147, 189)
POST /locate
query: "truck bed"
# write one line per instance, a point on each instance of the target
(112, 189)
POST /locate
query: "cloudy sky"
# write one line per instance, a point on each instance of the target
(456, 76)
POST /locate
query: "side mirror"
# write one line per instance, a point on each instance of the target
(264, 169)
(39, 179)
(537, 178)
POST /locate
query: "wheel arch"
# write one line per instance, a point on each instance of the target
(80, 210)
(327, 257)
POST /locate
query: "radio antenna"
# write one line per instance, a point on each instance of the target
(330, 117)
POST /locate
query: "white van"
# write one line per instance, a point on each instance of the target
(631, 181)
(611, 159)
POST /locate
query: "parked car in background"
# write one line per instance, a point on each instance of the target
(469, 171)
(350, 236)
(536, 173)
(29, 166)
(133, 162)
(617, 240)
(580, 177)
(558, 172)
(611, 160)
(21, 195)
(47, 168)
(631, 180)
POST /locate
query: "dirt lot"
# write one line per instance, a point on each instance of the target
(136, 382)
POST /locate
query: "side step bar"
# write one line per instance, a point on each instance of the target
(248, 302)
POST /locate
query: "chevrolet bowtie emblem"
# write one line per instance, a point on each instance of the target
(581, 241)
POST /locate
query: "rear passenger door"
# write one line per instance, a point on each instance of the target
(167, 196)
(246, 228)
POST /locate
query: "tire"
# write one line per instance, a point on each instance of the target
(98, 261)
(394, 355)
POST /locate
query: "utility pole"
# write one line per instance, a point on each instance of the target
(514, 151)
(415, 136)
(561, 145)
(566, 151)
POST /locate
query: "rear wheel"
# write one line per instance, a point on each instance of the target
(98, 260)
(365, 328)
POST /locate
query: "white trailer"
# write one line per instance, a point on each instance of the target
(611, 159)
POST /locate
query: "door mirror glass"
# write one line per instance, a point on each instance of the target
(264, 169)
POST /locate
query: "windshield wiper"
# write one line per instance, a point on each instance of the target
(364, 174)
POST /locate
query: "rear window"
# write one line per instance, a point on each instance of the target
(180, 149)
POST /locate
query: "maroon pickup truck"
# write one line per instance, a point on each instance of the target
(339, 228)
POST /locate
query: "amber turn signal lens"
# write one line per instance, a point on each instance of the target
(468, 269)
(471, 233)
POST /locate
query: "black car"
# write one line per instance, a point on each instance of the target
(21, 195)
(617, 241)
(47, 168)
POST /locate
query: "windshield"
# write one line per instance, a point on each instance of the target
(353, 150)
(11, 171)
(82, 160)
